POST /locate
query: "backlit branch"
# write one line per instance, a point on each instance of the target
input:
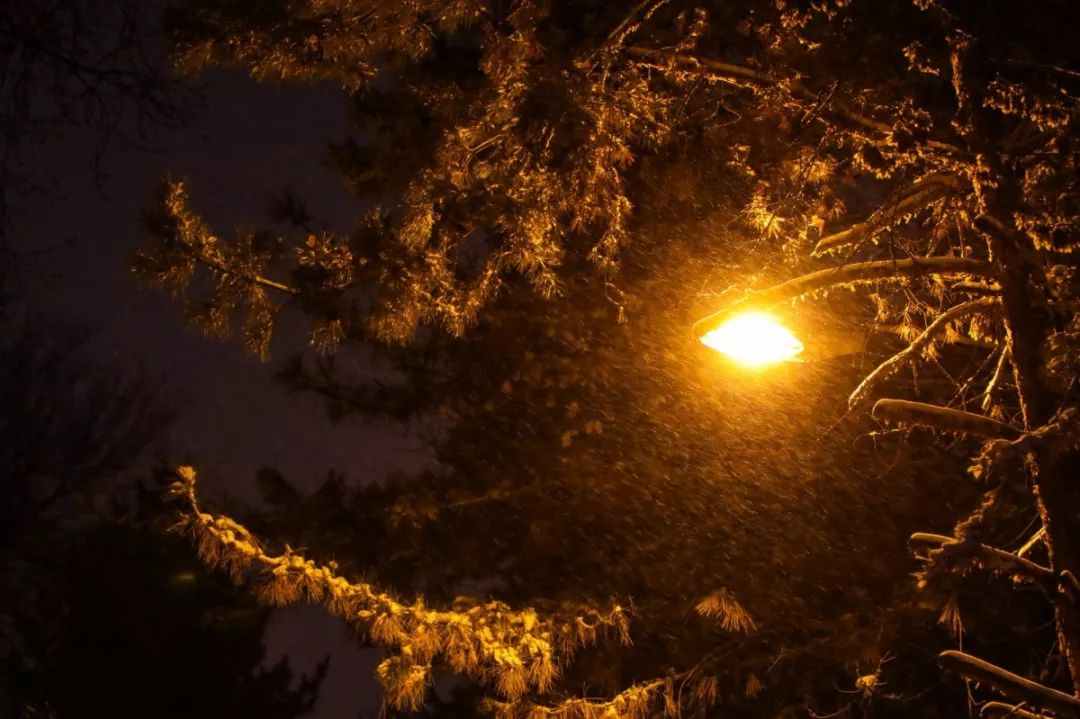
(844, 275)
(516, 650)
(1034, 694)
(910, 353)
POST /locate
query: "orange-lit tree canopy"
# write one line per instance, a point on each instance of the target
(561, 190)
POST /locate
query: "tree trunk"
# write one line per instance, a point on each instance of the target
(1057, 494)
(1055, 480)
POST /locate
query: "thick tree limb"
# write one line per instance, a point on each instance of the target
(1028, 324)
(987, 557)
(1034, 694)
(919, 196)
(1025, 324)
(943, 418)
(910, 353)
(846, 274)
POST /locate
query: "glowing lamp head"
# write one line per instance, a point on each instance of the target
(753, 339)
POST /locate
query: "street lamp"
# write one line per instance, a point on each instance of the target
(753, 339)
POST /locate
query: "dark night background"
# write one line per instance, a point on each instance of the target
(246, 144)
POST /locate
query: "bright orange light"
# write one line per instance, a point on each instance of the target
(754, 339)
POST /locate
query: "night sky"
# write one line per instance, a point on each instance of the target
(248, 143)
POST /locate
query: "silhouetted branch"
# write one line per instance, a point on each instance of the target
(745, 77)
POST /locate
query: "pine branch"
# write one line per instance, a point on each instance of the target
(902, 411)
(986, 557)
(910, 353)
(977, 288)
(919, 196)
(748, 78)
(517, 650)
(722, 605)
(846, 274)
(631, 23)
(1032, 693)
(709, 69)
(221, 269)
(631, 703)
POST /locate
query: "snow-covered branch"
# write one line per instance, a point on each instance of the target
(632, 703)
(1001, 710)
(516, 650)
(902, 411)
(1034, 694)
(845, 275)
(986, 557)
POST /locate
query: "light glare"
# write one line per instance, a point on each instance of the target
(754, 339)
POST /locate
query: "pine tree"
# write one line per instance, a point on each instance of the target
(918, 153)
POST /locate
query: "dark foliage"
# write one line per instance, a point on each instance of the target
(102, 613)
